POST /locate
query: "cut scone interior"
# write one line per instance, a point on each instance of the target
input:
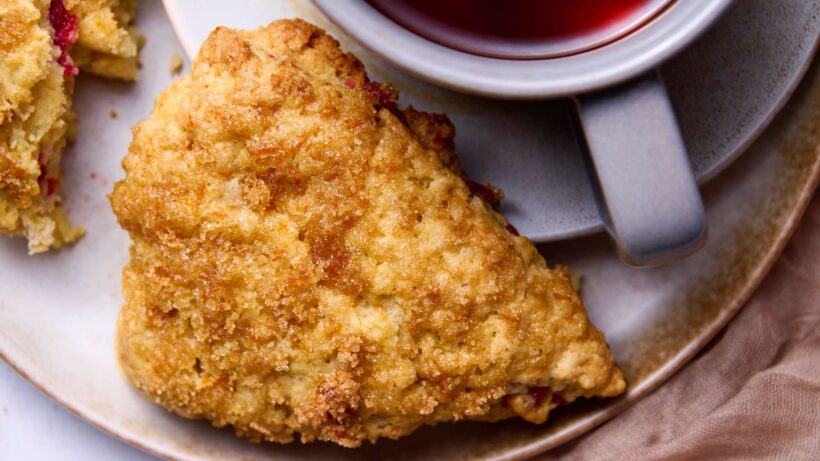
(41, 45)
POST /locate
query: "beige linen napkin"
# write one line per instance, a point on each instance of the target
(753, 393)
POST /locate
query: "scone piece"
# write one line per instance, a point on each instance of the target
(107, 43)
(306, 258)
(36, 80)
(37, 42)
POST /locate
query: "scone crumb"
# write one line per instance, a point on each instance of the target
(176, 64)
(113, 114)
(576, 280)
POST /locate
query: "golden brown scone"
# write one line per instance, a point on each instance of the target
(308, 259)
(38, 39)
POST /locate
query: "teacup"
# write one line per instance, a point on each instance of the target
(647, 195)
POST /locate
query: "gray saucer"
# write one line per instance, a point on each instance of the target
(726, 88)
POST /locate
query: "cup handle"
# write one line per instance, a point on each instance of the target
(647, 195)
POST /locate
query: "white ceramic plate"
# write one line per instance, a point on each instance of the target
(57, 311)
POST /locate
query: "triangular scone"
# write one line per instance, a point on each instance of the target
(303, 260)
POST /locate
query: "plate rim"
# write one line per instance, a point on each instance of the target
(35, 375)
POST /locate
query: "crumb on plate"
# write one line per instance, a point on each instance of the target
(176, 64)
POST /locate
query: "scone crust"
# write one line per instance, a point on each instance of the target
(308, 259)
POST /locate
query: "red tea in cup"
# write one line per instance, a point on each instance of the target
(521, 29)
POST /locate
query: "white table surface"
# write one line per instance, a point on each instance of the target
(35, 428)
